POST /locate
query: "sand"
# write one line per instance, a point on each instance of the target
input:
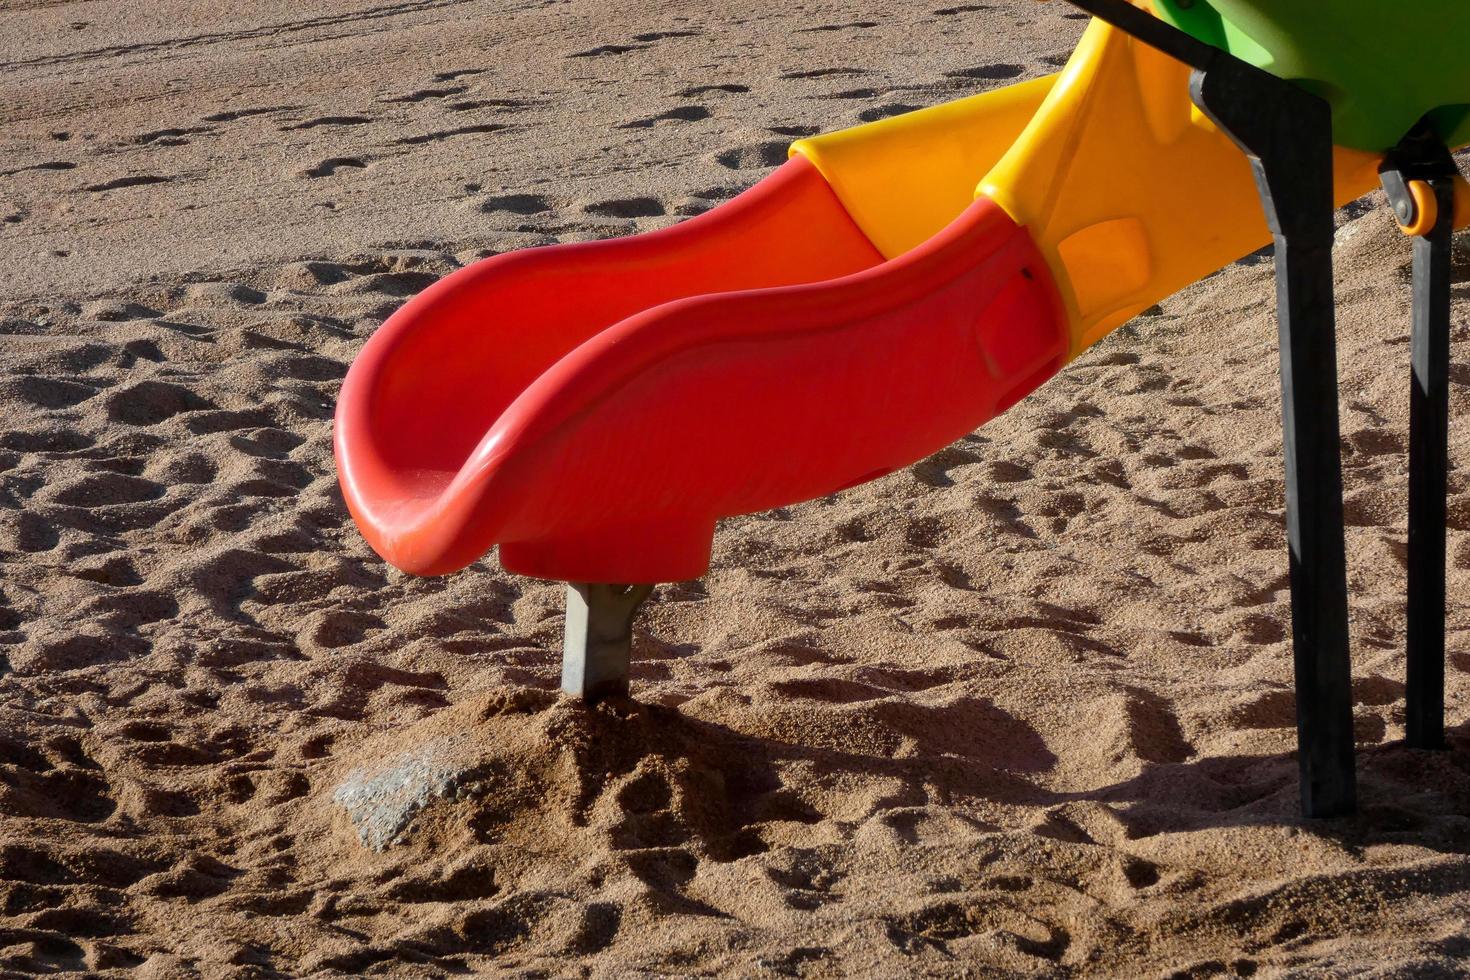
(1024, 708)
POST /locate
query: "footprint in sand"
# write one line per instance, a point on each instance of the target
(698, 202)
(340, 628)
(426, 93)
(104, 490)
(829, 690)
(643, 41)
(857, 25)
(111, 311)
(189, 467)
(886, 111)
(757, 156)
(127, 610)
(223, 294)
(48, 165)
(140, 180)
(171, 137)
(925, 532)
(457, 73)
(327, 121)
(48, 393)
(397, 284)
(444, 134)
(603, 50)
(1273, 709)
(150, 402)
(661, 35)
(116, 570)
(505, 105)
(631, 207)
(27, 532)
(330, 166)
(987, 72)
(824, 73)
(697, 90)
(935, 470)
(519, 204)
(234, 114)
(686, 113)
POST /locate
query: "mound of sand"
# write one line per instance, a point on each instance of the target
(1023, 708)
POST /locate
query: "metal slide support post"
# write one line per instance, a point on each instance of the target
(1287, 135)
(1429, 450)
(1423, 156)
(598, 644)
(1286, 132)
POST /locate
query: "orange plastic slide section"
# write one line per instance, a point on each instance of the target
(595, 408)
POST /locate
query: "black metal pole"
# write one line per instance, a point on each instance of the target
(1319, 614)
(1420, 162)
(1429, 416)
(1287, 135)
(597, 644)
(1286, 132)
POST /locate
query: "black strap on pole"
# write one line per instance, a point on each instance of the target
(1286, 132)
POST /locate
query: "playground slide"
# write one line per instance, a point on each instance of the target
(595, 408)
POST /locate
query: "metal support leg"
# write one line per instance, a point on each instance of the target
(1422, 156)
(1287, 134)
(1429, 449)
(599, 639)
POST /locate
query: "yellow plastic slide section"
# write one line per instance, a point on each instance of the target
(1130, 192)
(903, 179)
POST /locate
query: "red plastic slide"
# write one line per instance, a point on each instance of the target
(595, 408)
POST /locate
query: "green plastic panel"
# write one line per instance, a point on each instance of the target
(1382, 64)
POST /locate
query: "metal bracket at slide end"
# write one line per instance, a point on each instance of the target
(598, 645)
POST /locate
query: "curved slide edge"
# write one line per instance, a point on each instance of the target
(433, 379)
(612, 459)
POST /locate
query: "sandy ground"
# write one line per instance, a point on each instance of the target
(1024, 708)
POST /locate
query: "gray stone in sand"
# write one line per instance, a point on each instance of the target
(383, 803)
